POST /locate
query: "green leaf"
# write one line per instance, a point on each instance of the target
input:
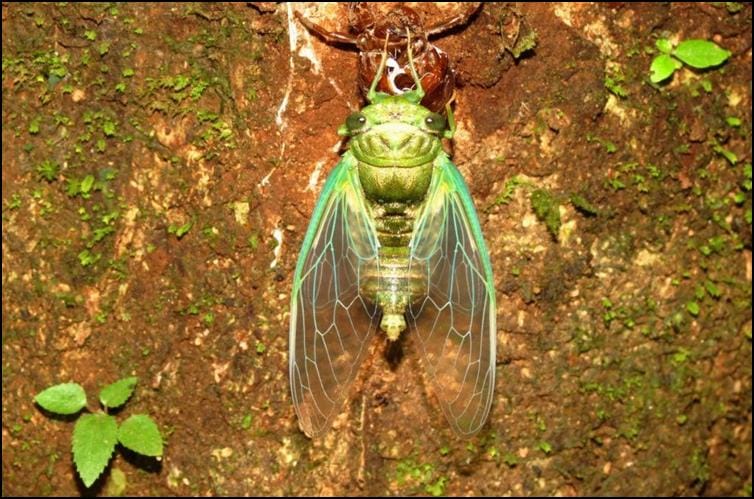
(116, 394)
(87, 184)
(94, 439)
(34, 126)
(180, 231)
(547, 209)
(140, 434)
(581, 203)
(109, 128)
(701, 54)
(728, 155)
(663, 66)
(664, 45)
(545, 447)
(693, 308)
(87, 258)
(66, 398)
(48, 170)
(712, 289)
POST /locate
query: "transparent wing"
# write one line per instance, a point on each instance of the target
(455, 322)
(331, 322)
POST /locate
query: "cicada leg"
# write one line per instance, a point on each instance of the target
(328, 36)
(455, 21)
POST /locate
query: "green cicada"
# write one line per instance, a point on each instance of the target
(394, 241)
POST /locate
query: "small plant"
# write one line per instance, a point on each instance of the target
(699, 54)
(48, 170)
(180, 231)
(95, 435)
(547, 209)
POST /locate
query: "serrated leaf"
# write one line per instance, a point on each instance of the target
(140, 434)
(94, 439)
(66, 398)
(663, 66)
(701, 54)
(116, 394)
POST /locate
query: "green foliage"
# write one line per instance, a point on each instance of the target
(140, 434)
(87, 258)
(582, 204)
(545, 447)
(733, 121)
(547, 209)
(116, 394)
(509, 189)
(664, 45)
(180, 230)
(66, 398)
(260, 348)
(413, 474)
(699, 54)
(663, 66)
(95, 435)
(247, 421)
(94, 439)
(34, 126)
(730, 156)
(48, 170)
(613, 82)
(86, 185)
(510, 459)
(109, 128)
(437, 488)
(693, 308)
(253, 241)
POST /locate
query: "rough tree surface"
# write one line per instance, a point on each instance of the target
(160, 163)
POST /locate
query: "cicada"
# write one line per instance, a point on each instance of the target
(394, 243)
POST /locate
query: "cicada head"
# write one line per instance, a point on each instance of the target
(395, 132)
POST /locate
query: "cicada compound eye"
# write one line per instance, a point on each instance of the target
(356, 122)
(436, 122)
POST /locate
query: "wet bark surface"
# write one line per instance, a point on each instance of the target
(161, 162)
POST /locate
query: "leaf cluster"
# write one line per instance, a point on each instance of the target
(699, 54)
(95, 435)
